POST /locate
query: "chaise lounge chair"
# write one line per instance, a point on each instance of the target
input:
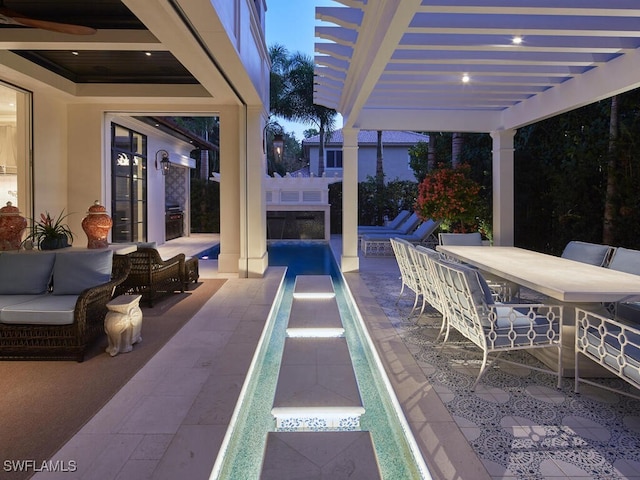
(405, 228)
(380, 244)
(392, 225)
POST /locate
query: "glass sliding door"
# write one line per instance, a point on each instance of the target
(129, 187)
(16, 176)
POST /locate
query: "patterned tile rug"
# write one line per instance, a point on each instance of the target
(518, 423)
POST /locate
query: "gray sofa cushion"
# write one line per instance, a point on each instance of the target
(41, 310)
(25, 273)
(9, 300)
(74, 272)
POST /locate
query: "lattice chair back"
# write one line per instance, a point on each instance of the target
(462, 309)
(613, 344)
(422, 259)
(465, 239)
(585, 252)
(496, 327)
(408, 272)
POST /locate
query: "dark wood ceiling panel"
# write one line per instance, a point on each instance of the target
(99, 66)
(99, 14)
(112, 66)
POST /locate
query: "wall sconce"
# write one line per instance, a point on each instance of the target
(277, 142)
(164, 164)
(278, 146)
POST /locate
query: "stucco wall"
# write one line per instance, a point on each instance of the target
(395, 162)
(50, 157)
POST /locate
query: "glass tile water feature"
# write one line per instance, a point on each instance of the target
(242, 450)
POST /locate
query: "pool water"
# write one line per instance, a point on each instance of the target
(210, 253)
(241, 453)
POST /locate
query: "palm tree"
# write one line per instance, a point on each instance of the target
(611, 191)
(379, 179)
(291, 94)
(457, 141)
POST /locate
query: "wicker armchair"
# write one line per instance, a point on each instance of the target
(153, 277)
(64, 342)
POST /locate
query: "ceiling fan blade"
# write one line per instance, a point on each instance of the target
(13, 18)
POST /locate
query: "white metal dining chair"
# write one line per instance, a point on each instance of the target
(423, 260)
(464, 239)
(496, 327)
(408, 273)
(585, 252)
(615, 345)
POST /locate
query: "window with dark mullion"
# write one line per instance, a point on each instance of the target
(334, 159)
(129, 185)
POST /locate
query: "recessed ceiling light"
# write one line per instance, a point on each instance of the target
(74, 53)
(465, 78)
(517, 40)
(148, 54)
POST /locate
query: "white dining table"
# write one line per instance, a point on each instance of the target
(566, 281)
(559, 278)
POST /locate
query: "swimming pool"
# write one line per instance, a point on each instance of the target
(242, 450)
(210, 253)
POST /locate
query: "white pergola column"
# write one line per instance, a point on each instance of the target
(231, 132)
(503, 179)
(253, 225)
(349, 261)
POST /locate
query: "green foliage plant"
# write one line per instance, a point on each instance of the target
(49, 229)
(419, 160)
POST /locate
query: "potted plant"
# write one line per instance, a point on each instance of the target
(50, 234)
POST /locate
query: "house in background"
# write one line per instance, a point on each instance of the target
(395, 153)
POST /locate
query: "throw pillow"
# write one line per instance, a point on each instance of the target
(74, 272)
(25, 273)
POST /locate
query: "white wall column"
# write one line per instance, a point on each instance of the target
(232, 128)
(253, 226)
(503, 179)
(350, 261)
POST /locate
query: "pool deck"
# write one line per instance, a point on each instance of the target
(170, 420)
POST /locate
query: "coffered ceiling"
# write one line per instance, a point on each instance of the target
(138, 62)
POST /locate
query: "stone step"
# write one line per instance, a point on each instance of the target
(314, 317)
(317, 387)
(313, 286)
(319, 455)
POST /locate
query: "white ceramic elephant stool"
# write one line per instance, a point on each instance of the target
(123, 324)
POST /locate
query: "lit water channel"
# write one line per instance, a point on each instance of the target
(243, 447)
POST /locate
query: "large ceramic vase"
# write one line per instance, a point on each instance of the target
(96, 226)
(12, 226)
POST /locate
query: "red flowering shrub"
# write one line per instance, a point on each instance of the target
(451, 196)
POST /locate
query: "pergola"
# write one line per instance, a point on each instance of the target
(486, 66)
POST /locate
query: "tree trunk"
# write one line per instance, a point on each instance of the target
(321, 152)
(204, 165)
(379, 181)
(431, 153)
(609, 203)
(457, 140)
(379, 165)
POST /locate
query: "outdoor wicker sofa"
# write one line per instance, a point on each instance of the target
(59, 316)
(152, 277)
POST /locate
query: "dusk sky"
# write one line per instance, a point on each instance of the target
(292, 24)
